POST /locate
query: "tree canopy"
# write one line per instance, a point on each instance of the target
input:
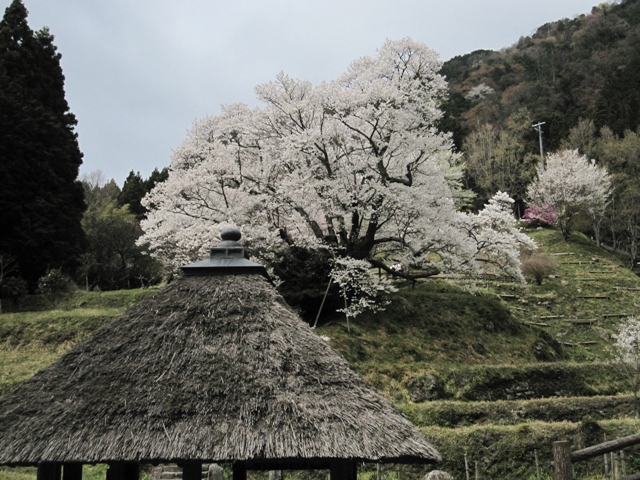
(356, 166)
(496, 159)
(581, 67)
(135, 188)
(572, 184)
(112, 259)
(41, 200)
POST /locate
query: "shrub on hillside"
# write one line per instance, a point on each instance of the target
(54, 282)
(13, 287)
(538, 265)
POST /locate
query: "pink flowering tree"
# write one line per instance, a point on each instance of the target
(540, 216)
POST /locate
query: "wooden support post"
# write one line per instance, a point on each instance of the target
(72, 471)
(343, 470)
(562, 460)
(114, 472)
(239, 471)
(191, 471)
(123, 471)
(466, 465)
(49, 471)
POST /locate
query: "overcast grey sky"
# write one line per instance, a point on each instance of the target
(139, 72)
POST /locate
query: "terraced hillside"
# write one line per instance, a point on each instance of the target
(494, 377)
(491, 372)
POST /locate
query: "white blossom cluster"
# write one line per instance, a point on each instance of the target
(498, 241)
(479, 92)
(355, 165)
(626, 350)
(627, 342)
(571, 183)
(360, 286)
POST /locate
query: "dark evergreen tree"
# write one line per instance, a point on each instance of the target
(135, 188)
(132, 192)
(41, 200)
(157, 176)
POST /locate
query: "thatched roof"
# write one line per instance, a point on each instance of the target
(210, 369)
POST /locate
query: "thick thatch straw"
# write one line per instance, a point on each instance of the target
(209, 369)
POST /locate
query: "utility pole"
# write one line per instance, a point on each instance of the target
(538, 127)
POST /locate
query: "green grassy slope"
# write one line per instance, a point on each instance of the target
(43, 328)
(512, 368)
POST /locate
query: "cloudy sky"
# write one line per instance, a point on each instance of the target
(139, 72)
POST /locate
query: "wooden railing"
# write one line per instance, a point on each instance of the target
(564, 458)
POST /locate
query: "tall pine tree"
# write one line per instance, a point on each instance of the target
(41, 200)
(132, 192)
(135, 188)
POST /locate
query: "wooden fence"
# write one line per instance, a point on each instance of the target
(564, 458)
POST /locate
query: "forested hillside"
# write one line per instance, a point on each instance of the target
(578, 81)
(585, 67)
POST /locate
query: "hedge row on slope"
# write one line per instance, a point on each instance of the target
(452, 414)
(421, 382)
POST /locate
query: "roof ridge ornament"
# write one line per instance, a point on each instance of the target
(229, 257)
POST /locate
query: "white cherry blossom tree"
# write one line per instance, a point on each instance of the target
(626, 349)
(571, 183)
(355, 166)
(498, 241)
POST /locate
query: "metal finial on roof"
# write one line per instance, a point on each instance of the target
(230, 234)
(228, 258)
